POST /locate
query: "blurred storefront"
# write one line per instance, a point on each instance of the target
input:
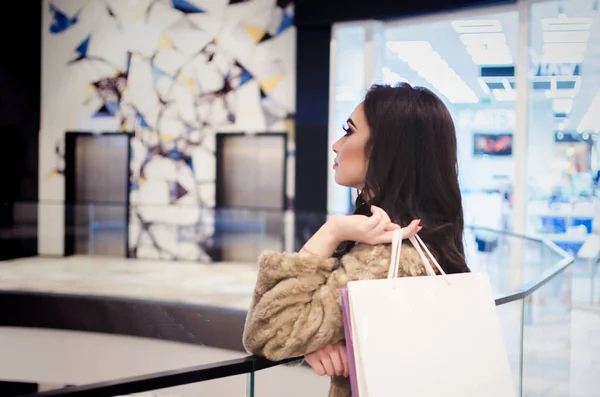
(522, 82)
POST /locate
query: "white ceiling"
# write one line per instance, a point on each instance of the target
(445, 41)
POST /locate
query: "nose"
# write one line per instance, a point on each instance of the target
(336, 146)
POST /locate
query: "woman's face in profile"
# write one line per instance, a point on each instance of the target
(351, 162)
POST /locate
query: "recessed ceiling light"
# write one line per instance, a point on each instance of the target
(551, 94)
(505, 95)
(566, 37)
(490, 55)
(485, 42)
(390, 77)
(483, 39)
(563, 23)
(572, 48)
(477, 26)
(420, 56)
(558, 57)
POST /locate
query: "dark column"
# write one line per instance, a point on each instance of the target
(312, 108)
(20, 73)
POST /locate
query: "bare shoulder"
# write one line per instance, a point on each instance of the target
(373, 261)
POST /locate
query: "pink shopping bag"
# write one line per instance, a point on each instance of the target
(349, 344)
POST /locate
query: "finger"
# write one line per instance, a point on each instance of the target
(374, 219)
(381, 212)
(392, 226)
(376, 212)
(386, 216)
(383, 220)
(336, 360)
(327, 364)
(388, 234)
(344, 357)
(385, 238)
(411, 229)
(315, 364)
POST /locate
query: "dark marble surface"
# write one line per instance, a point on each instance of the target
(178, 322)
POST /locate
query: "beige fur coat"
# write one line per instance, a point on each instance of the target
(296, 307)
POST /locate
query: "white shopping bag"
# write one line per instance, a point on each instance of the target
(436, 336)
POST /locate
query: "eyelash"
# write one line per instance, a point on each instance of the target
(347, 129)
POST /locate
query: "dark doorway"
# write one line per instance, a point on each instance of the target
(251, 171)
(250, 195)
(97, 193)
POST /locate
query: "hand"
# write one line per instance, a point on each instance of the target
(373, 230)
(330, 360)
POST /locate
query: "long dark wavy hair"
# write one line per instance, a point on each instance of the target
(412, 170)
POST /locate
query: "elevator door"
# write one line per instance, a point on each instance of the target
(250, 199)
(99, 186)
(251, 171)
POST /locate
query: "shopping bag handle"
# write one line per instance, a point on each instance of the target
(420, 246)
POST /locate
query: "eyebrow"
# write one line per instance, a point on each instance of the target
(350, 122)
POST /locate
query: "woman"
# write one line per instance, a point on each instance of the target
(400, 152)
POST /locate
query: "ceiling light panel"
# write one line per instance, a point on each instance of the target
(553, 48)
(563, 23)
(483, 39)
(420, 56)
(390, 77)
(566, 37)
(485, 42)
(565, 42)
(552, 94)
(564, 57)
(591, 120)
(477, 26)
(505, 95)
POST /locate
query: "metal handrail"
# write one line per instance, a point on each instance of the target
(251, 364)
(161, 380)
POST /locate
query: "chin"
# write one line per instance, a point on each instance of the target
(353, 183)
(342, 183)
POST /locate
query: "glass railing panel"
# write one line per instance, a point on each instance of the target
(144, 340)
(235, 386)
(290, 381)
(586, 282)
(154, 232)
(510, 260)
(242, 234)
(511, 321)
(547, 338)
(99, 229)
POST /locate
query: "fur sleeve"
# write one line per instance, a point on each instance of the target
(296, 306)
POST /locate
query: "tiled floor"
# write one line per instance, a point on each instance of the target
(585, 353)
(585, 330)
(551, 326)
(223, 284)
